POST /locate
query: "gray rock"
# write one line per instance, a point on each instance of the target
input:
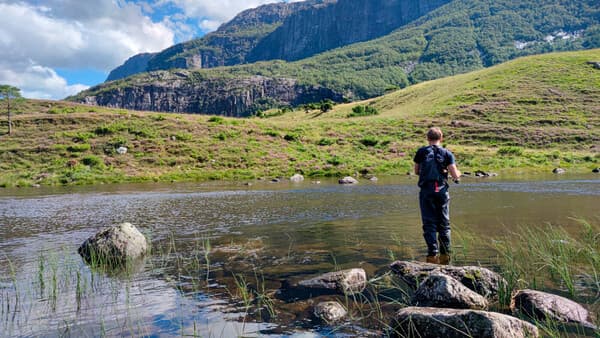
(297, 178)
(450, 323)
(559, 171)
(440, 290)
(348, 180)
(542, 305)
(114, 245)
(595, 64)
(373, 179)
(481, 280)
(346, 281)
(330, 312)
(122, 150)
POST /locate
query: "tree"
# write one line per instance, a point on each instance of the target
(7, 93)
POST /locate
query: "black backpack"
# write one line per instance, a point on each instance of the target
(433, 167)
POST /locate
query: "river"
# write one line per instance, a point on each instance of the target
(208, 238)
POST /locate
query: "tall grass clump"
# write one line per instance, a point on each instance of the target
(531, 257)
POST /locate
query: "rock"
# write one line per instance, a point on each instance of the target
(440, 290)
(114, 245)
(481, 173)
(329, 312)
(297, 178)
(559, 171)
(596, 170)
(541, 305)
(348, 180)
(135, 64)
(122, 150)
(481, 280)
(373, 179)
(275, 180)
(595, 64)
(449, 323)
(346, 281)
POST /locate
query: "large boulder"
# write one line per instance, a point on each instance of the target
(481, 280)
(541, 305)
(443, 291)
(329, 312)
(114, 245)
(449, 323)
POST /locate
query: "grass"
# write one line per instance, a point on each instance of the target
(531, 114)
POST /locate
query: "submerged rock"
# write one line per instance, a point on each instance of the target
(440, 290)
(541, 305)
(329, 312)
(114, 245)
(344, 282)
(449, 323)
(481, 280)
(348, 180)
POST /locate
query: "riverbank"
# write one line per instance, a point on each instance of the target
(529, 115)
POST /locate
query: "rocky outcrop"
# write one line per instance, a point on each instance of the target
(184, 93)
(135, 64)
(335, 24)
(443, 291)
(541, 306)
(115, 245)
(329, 312)
(481, 280)
(449, 323)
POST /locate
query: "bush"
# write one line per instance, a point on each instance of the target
(369, 141)
(326, 142)
(363, 111)
(92, 161)
(216, 120)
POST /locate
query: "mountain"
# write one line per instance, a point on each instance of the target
(227, 46)
(134, 65)
(527, 115)
(458, 37)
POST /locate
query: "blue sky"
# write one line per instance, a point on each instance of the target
(55, 48)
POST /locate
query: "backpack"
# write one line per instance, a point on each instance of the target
(433, 167)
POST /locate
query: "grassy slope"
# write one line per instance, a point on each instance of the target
(536, 113)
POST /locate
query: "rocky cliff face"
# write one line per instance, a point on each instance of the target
(135, 64)
(317, 29)
(227, 46)
(180, 92)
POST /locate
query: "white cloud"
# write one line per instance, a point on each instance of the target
(71, 34)
(38, 81)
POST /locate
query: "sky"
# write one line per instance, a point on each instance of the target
(51, 49)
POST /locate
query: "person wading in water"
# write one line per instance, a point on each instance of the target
(432, 164)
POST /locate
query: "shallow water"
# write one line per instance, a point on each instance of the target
(262, 233)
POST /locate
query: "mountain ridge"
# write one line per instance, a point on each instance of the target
(458, 37)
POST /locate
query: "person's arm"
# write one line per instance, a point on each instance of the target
(454, 172)
(417, 168)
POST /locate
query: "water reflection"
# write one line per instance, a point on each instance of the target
(285, 231)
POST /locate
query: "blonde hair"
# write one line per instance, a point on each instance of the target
(434, 134)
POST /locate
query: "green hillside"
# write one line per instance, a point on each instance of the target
(462, 36)
(531, 114)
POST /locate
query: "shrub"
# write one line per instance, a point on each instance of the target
(363, 111)
(326, 142)
(216, 120)
(369, 141)
(92, 161)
